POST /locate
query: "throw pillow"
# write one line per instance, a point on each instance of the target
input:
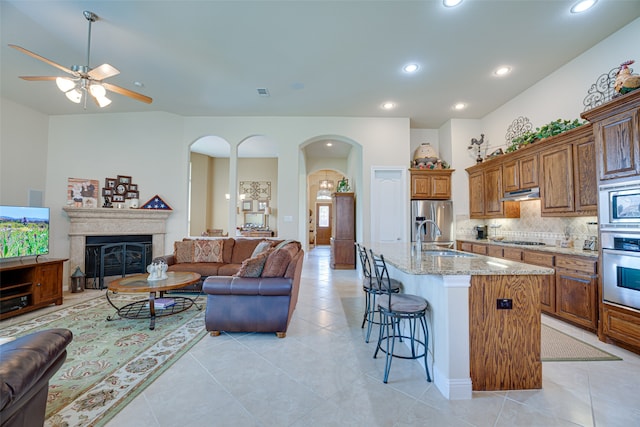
(262, 246)
(277, 263)
(207, 251)
(183, 251)
(252, 267)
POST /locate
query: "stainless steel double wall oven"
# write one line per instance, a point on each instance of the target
(619, 214)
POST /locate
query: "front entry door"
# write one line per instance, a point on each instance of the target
(323, 223)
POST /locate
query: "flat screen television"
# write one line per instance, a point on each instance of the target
(24, 231)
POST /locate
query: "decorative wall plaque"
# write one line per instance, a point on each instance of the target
(256, 190)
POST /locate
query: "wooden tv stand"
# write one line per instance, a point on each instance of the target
(29, 285)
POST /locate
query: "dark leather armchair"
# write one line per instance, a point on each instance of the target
(26, 365)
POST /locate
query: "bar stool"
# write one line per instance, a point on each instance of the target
(371, 290)
(394, 308)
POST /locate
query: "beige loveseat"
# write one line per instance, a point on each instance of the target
(197, 254)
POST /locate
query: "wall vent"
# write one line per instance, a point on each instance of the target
(263, 92)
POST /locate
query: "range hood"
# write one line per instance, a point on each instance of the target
(526, 194)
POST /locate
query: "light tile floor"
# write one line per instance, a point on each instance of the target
(323, 374)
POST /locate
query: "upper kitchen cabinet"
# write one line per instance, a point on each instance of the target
(486, 193)
(617, 136)
(427, 184)
(567, 174)
(520, 173)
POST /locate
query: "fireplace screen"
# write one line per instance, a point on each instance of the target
(115, 256)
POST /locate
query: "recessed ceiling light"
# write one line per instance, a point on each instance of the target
(410, 68)
(388, 105)
(460, 106)
(583, 5)
(329, 144)
(502, 71)
(451, 3)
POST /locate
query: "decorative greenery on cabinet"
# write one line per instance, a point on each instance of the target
(556, 127)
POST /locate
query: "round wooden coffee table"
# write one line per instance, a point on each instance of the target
(146, 309)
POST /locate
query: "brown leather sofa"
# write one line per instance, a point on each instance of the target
(26, 365)
(234, 252)
(256, 304)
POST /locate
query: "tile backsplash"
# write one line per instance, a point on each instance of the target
(532, 227)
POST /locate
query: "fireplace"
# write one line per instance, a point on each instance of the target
(101, 222)
(106, 256)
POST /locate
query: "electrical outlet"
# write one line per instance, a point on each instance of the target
(504, 304)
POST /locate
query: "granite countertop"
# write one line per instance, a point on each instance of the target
(401, 256)
(541, 248)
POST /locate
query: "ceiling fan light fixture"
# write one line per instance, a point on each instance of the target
(65, 85)
(97, 90)
(103, 101)
(74, 95)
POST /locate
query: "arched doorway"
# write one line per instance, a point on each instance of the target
(329, 159)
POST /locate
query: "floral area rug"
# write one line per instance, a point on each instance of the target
(109, 362)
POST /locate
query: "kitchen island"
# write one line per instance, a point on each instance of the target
(484, 316)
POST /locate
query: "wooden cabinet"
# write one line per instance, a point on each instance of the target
(617, 135)
(576, 290)
(343, 229)
(584, 175)
(563, 166)
(520, 173)
(556, 191)
(431, 184)
(567, 170)
(621, 325)
(476, 194)
(493, 207)
(29, 285)
(548, 286)
(505, 344)
(485, 193)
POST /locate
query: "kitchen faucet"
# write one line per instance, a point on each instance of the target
(419, 224)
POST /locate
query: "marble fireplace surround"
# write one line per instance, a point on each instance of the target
(113, 222)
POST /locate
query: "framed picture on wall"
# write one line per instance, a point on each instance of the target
(247, 205)
(263, 205)
(131, 195)
(110, 182)
(124, 179)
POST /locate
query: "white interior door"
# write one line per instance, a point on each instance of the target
(389, 204)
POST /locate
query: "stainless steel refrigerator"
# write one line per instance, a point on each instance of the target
(438, 211)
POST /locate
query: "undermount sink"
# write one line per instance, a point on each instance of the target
(445, 252)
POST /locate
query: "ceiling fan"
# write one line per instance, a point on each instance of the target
(86, 80)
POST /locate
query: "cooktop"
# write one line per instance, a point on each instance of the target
(522, 242)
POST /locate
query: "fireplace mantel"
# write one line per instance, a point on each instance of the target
(112, 221)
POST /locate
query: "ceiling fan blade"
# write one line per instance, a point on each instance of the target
(37, 78)
(43, 59)
(127, 92)
(102, 72)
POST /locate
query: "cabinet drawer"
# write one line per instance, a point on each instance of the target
(622, 325)
(538, 258)
(513, 254)
(495, 251)
(577, 263)
(467, 247)
(480, 249)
